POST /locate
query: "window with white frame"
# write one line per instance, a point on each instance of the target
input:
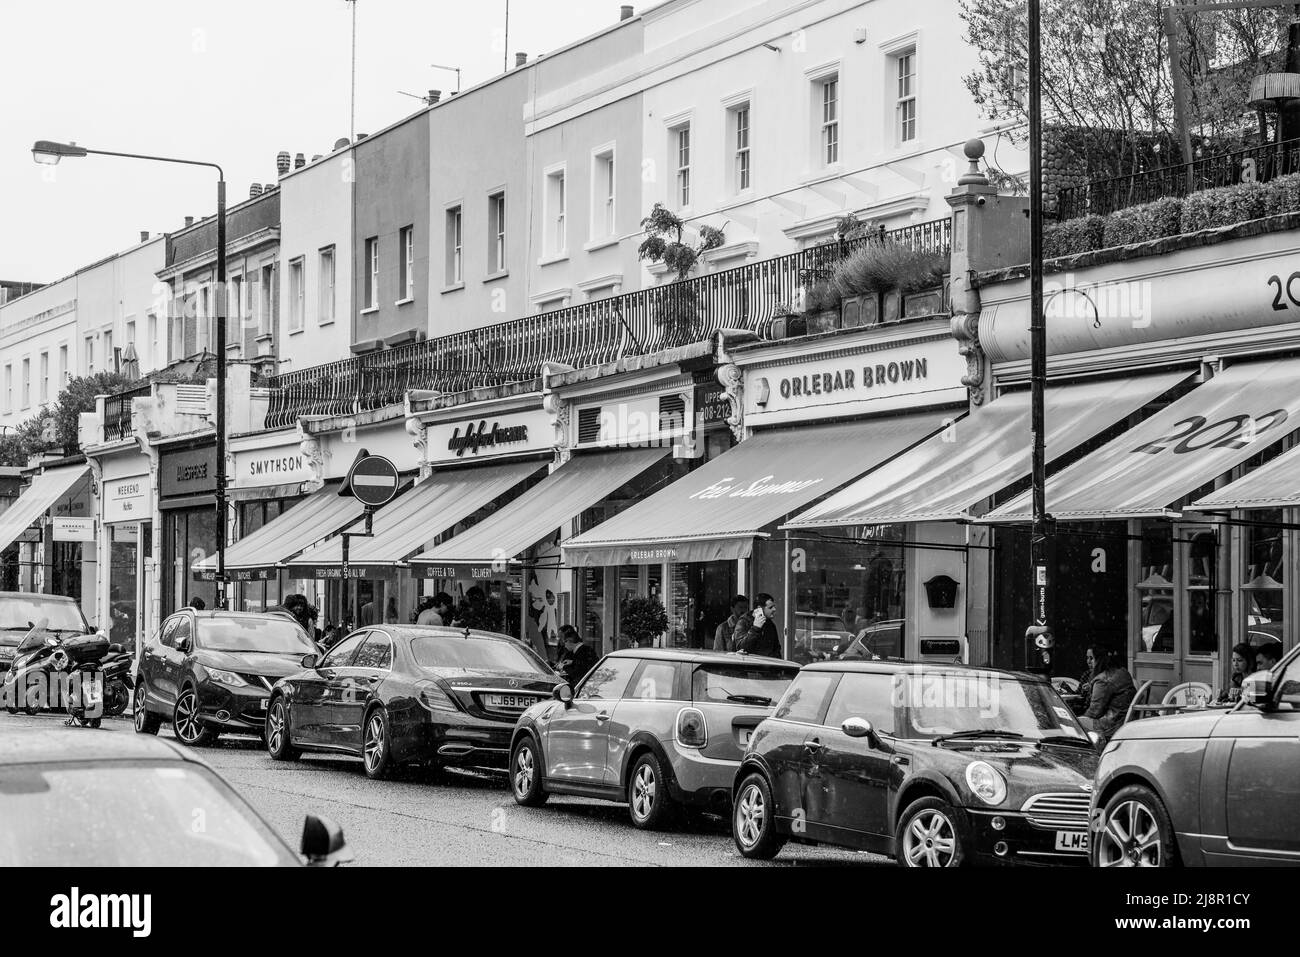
(9, 388)
(738, 118)
(63, 365)
(45, 377)
(325, 288)
(372, 273)
(603, 189)
(555, 207)
(297, 296)
(88, 366)
(905, 105)
(266, 301)
(455, 246)
(496, 233)
(110, 358)
(406, 262)
(152, 358)
(27, 383)
(680, 139)
(205, 321)
(235, 310)
(828, 90)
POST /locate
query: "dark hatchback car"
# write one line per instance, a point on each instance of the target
(21, 611)
(405, 694)
(935, 765)
(211, 672)
(1211, 787)
(113, 800)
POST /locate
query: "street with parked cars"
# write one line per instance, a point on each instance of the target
(412, 740)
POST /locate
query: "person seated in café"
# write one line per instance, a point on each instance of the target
(1243, 664)
(1109, 693)
(1267, 656)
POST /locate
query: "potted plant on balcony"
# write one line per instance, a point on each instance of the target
(675, 307)
(822, 307)
(874, 280)
(786, 322)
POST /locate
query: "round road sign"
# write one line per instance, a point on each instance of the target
(373, 481)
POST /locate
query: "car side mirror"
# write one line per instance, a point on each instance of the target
(1257, 689)
(563, 693)
(183, 646)
(309, 661)
(856, 727)
(323, 844)
(1095, 738)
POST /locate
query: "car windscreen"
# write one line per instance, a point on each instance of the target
(935, 704)
(19, 614)
(488, 654)
(129, 815)
(275, 636)
(740, 684)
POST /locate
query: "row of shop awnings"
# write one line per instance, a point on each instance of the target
(38, 498)
(928, 467)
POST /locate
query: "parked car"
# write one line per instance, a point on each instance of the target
(935, 765)
(657, 728)
(1210, 787)
(73, 799)
(20, 612)
(211, 672)
(884, 639)
(405, 694)
(818, 636)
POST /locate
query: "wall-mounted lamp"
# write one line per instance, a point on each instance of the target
(860, 36)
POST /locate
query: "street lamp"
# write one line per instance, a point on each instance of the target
(48, 153)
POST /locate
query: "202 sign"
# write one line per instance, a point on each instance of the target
(1195, 434)
(1281, 289)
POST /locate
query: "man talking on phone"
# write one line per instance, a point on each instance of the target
(762, 638)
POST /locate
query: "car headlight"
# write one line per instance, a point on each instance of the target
(989, 786)
(226, 678)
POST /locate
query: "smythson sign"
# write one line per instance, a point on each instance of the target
(274, 466)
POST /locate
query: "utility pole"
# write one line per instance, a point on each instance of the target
(1040, 630)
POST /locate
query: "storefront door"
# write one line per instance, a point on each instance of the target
(1178, 602)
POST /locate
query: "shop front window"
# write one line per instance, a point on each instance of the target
(1202, 602)
(1156, 590)
(1264, 585)
(124, 584)
(190, 537)
(849, 591)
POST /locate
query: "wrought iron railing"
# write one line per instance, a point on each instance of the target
(117, 413)
(590, 333)
(1104, 196)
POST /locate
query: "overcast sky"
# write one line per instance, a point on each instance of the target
(228, 81)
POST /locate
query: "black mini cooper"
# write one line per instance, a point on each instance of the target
(934, 765)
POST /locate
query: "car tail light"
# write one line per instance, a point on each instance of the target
(434, 698)
(692, 729)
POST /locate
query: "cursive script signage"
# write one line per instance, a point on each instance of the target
(728, 487)
(476, 437)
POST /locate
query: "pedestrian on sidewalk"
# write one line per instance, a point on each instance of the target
(722, 637)
(577, 658)
(762, 637)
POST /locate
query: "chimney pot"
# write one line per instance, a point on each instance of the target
(626, 12)
(316, 157)
(189, 220)
(521, 59)
(282, 162)
(299, 161)
(434, 96)
(255, 190)
(144, 235)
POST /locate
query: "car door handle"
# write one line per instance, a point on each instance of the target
(601, 716)
(813, 746)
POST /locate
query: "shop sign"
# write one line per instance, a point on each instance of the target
(762, 487)
(711, 404)
(73, 529)
(126, 499)
(281, 465)
(238, 575)
(909, 374)
(488, 436)
(188, 472)
(486, 572)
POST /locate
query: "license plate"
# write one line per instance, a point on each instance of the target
(508, 702)
(1071, 840)
(745, 735)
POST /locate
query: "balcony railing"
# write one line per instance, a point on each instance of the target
(117, 413)
(1105, 196)
(636, 323)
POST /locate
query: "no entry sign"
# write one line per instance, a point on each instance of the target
(373, 481)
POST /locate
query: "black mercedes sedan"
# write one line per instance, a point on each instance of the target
(406, 694)
(934, 765)
(211, 672)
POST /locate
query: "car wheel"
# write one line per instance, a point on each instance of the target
(1135, 831)
(145, 722)
(930, 835)
(526, 773)
(376, 749)
(277, 733)
(189, 727)
(647, 793)
(753, 820)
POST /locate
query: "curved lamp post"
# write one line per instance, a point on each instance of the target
(49, 153)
